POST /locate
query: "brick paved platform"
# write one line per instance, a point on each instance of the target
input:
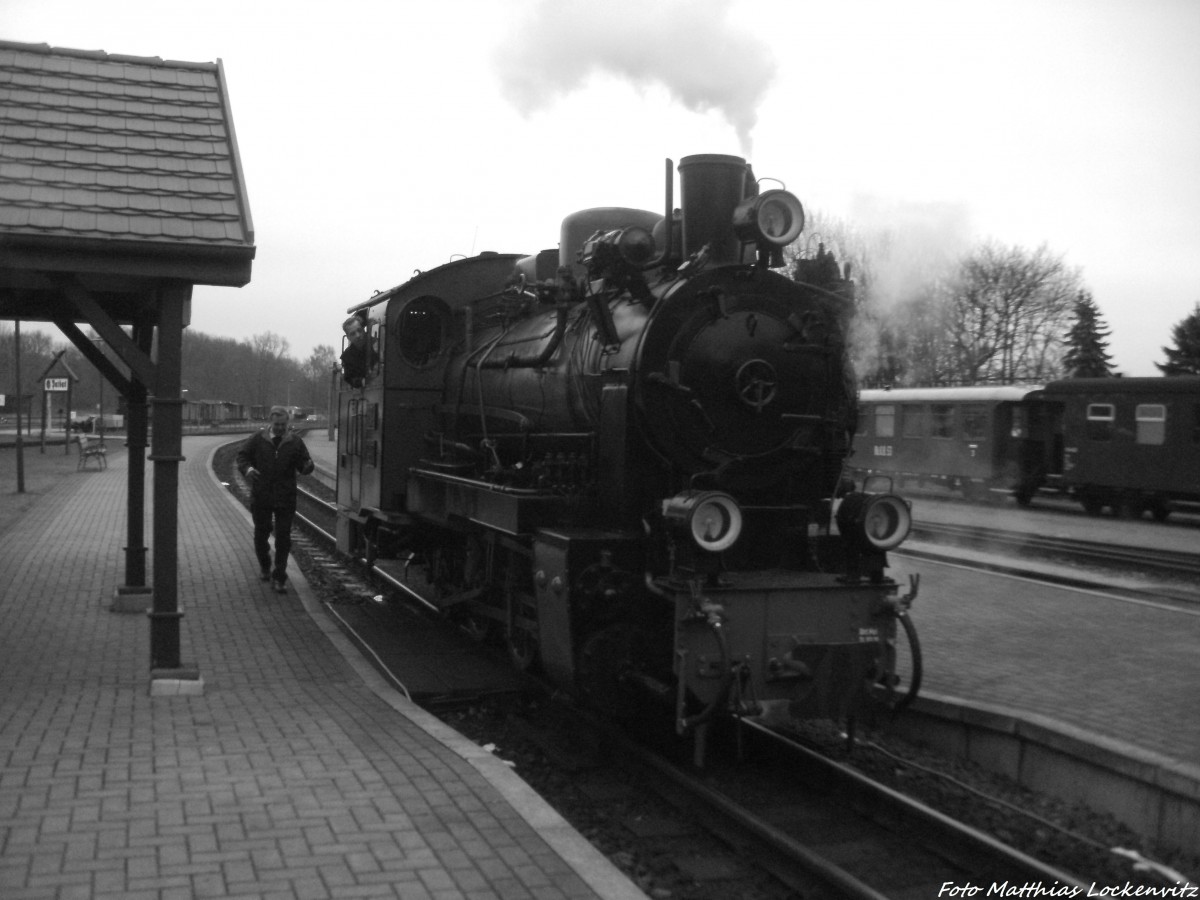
(295, 773)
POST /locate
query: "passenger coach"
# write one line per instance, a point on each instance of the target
(973, 439)
(1129, 444)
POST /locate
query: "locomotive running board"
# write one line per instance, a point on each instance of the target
(514, 511)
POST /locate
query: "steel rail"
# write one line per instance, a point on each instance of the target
(1144, 558)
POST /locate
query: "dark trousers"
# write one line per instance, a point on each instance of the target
(277, 520)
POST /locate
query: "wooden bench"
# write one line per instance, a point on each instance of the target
(91, 448)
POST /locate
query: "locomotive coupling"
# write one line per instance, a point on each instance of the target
(899, 606)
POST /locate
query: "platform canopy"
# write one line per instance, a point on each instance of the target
(121, 189)
(117, 174)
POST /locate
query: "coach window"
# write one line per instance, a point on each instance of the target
(941, 421)
(974, 419)
(913, 421)
(885, 421)
(1151, 423)
(1100, 418)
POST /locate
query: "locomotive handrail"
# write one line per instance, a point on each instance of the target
(476, 483)
(668, 220)
(518, 418)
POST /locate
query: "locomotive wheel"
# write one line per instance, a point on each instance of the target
(522, 649)
(607, 659)
(479, 628)
(521, 632)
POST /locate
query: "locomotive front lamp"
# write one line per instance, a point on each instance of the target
(711, 518)
(774, 217)
(875, 521)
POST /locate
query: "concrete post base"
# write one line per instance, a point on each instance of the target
(132, 600)
(182, 682)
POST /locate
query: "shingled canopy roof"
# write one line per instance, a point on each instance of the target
(117, 174)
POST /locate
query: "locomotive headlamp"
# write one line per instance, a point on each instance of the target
(775, 218)
(713, 519)
(875, 521)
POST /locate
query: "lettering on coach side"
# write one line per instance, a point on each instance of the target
(882, 450)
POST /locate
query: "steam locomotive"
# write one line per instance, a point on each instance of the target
(624, 459)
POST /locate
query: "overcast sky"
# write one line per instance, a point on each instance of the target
(378, 138)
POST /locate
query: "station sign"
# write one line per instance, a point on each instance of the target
(57, 384)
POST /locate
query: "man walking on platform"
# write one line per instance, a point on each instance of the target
(269, 460)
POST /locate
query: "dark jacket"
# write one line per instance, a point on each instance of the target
(275, 484)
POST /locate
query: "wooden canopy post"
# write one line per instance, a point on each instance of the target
(166, 452)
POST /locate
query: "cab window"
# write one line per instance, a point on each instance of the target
(421, 330)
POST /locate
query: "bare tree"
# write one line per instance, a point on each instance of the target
(269, 351)
(316, 370)
(36, 352)
(897, 266)
(1005, 310)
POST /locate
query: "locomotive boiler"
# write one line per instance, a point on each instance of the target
(624, 458)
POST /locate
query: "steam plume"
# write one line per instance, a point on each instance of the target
(688, 46)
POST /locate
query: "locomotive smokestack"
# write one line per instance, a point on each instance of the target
(711, 185)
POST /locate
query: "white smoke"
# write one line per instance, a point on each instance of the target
(911, 244)
(689, 47)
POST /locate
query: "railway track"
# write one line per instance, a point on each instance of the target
(813, 825)
(1159, 573)
(826, 829)
(1151, 560)
(818, 827)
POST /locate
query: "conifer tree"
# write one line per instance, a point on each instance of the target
(1184, 357)
(1087, 353)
